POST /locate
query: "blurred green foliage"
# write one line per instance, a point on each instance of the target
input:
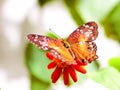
(109, 77)
(36, 62)
(43, 2)
(105, 13)
(115, 62)
(37, 84)
(111, 23)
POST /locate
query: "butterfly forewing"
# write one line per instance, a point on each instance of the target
(86, 32)
(42, 42)
(55, 46)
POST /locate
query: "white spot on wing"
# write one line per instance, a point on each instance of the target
(87, 34)
(36, 36)
(93, 38)
(35, 40)
(90, 31)
(91, 27)
(86, 26)
(81, 31)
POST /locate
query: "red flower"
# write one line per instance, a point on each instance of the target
(65, 69)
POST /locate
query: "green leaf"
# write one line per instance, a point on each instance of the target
(109, 77)
(112, 23)
(50, 34)
(93, 67)
(115, 62)
(36, 84)
(37, 62)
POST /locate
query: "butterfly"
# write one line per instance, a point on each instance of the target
(78, 45)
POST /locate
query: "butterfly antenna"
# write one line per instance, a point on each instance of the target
(54, 33)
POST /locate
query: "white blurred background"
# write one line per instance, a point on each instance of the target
(21, 17)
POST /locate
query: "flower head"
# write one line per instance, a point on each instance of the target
(65, 69)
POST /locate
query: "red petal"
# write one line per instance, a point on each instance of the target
(65, 76)
(80, 69)
(56, 74)
(51, 65)
(49, 55)
(81, 63)
(72, 73)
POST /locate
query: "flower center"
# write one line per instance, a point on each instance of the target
(60, 63)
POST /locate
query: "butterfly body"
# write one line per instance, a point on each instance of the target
(78, 46)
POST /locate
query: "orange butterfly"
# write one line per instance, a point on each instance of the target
(79, 46)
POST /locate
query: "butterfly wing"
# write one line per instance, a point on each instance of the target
(85, 51)
(81, 41)
(86, 32)
(55, 46)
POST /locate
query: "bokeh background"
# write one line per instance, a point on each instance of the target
(22, 66)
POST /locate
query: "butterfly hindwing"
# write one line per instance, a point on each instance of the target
(85, 51)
